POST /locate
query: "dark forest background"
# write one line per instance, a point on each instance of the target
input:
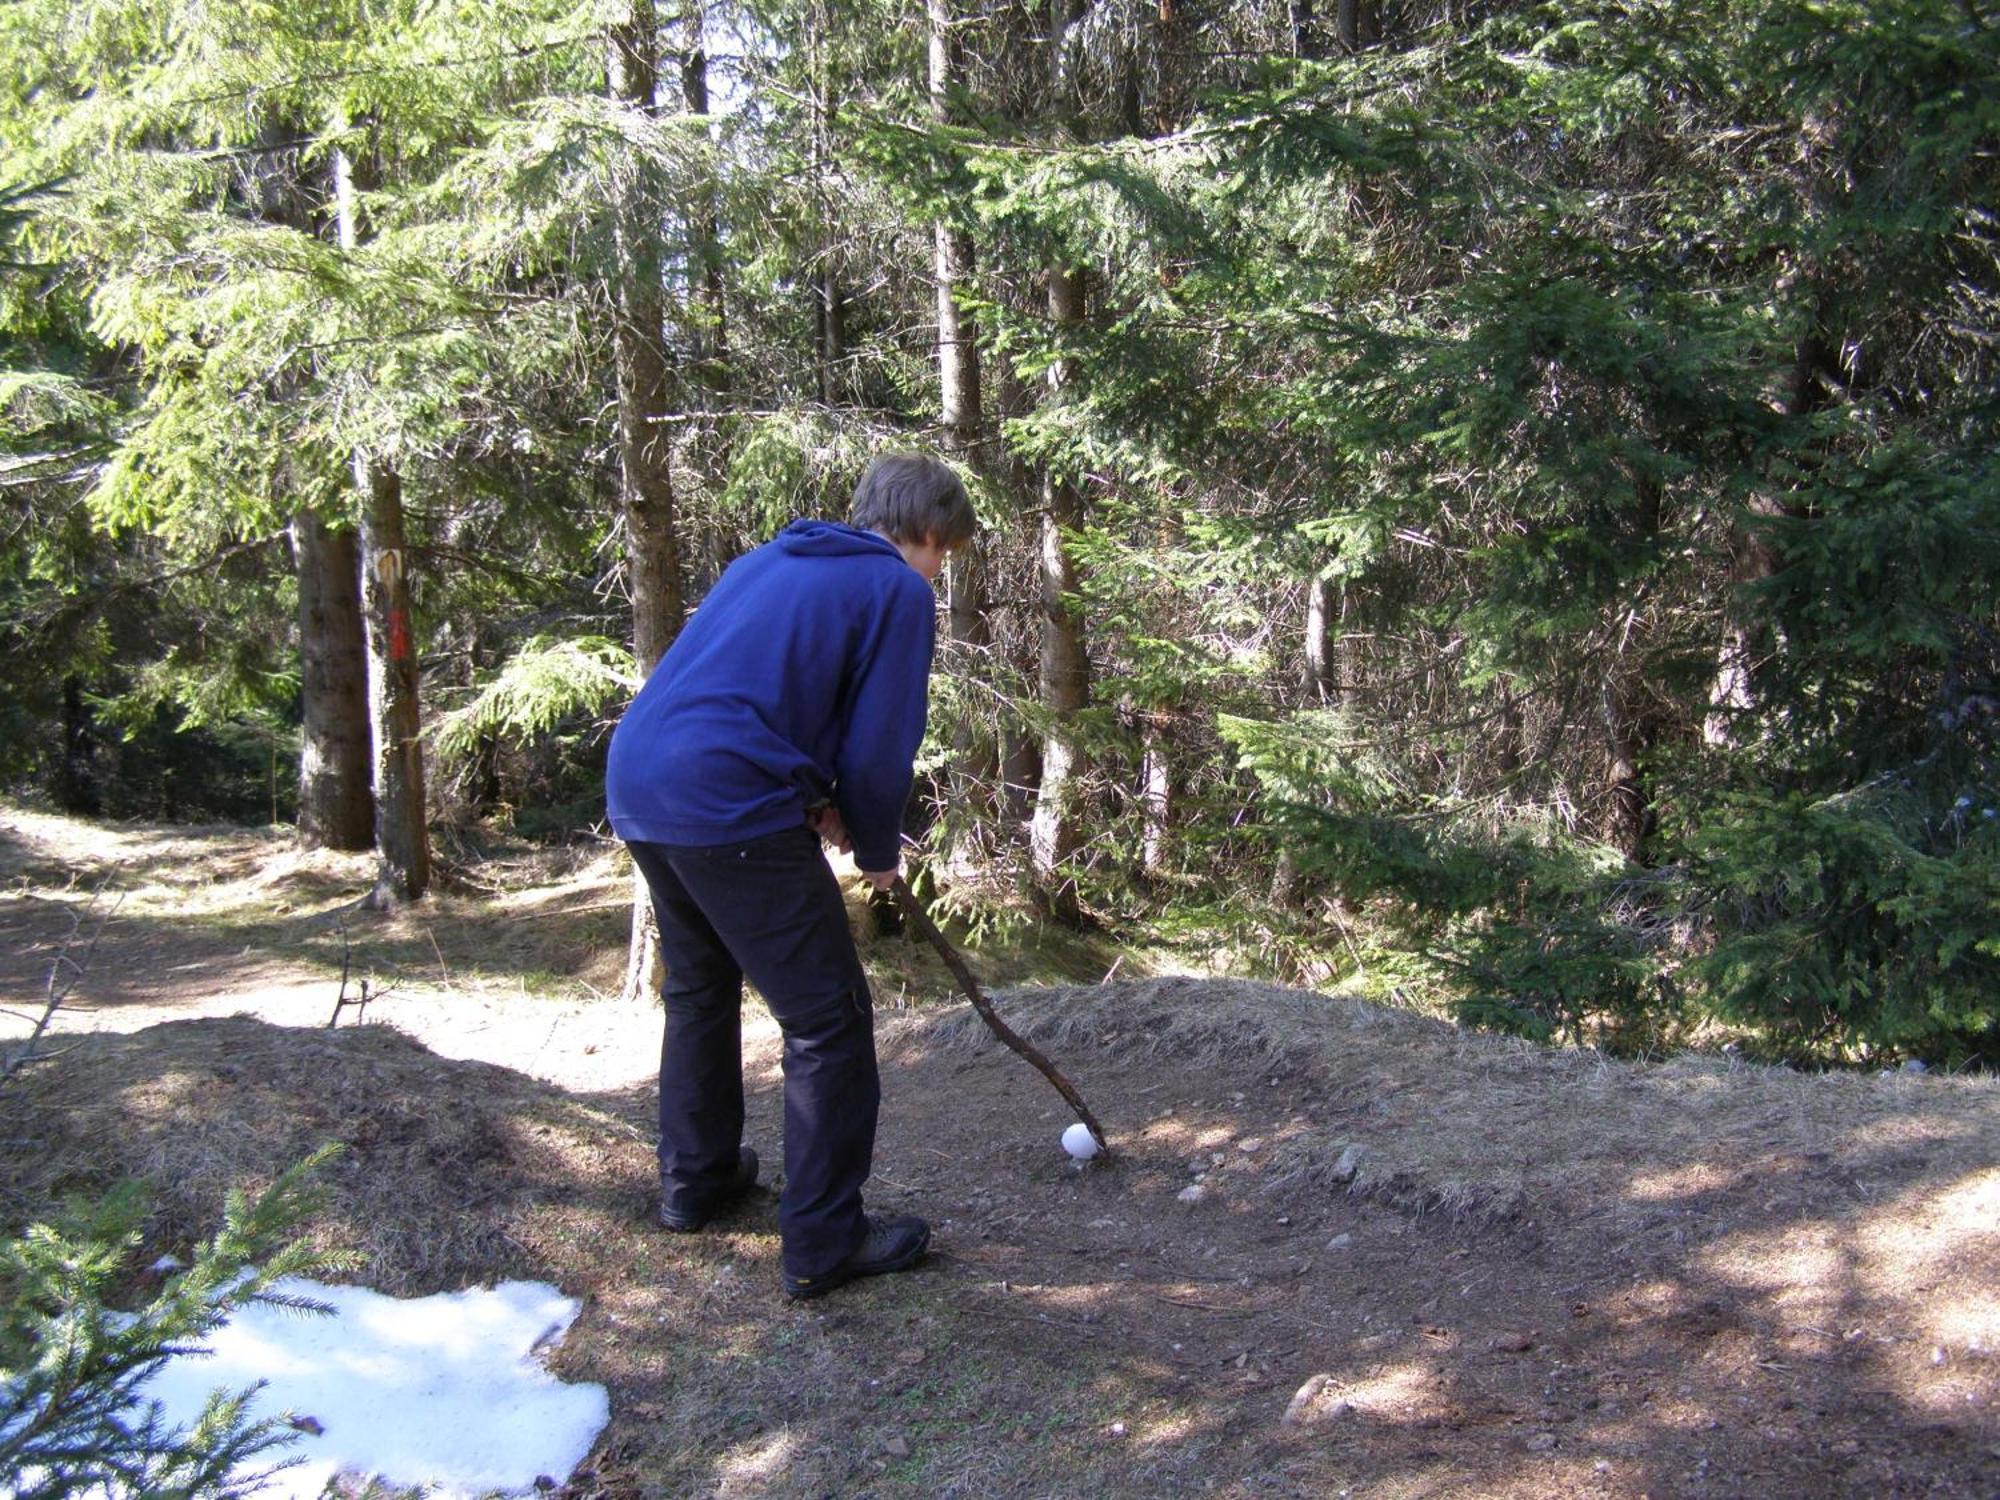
(1495, 501)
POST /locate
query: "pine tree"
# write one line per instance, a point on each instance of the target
(73, 1417)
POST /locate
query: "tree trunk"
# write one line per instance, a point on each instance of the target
(975, 753)
(1823, 363)
(1626, 820)
(1326, 651)
(711, 331)
(1156, 793)
(645, 399)
(1745, 637)
(829, 312)
(336, 795)
(1358, 24)
(74, 786)
(645, 379)
(704, 378)
(829, 301)
(482, 779)
(1065, 674)
(1305, 41)
(1056, 832)
(1508, 734)
(401, 834)
(336, 769)
(1629, 728)
(1020, 743)
(1326, 607)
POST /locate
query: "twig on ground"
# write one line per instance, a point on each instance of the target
(342, 1000)
(64, 974)
(443, 967)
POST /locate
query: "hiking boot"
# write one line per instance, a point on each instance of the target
(687, 1221)
(891, 1244)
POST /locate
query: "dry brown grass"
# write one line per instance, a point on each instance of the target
(1549, 1273)
(454, 1173)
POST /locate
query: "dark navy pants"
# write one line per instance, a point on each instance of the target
(770, 909)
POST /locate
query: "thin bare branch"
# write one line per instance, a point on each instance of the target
(65, 973)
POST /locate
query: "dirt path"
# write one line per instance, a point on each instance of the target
(1340, 1251)
(228, 921)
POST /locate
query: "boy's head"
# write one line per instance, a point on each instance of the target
(913, 500)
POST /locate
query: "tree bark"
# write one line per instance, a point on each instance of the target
(336, 770)
(1305, 42)
(711, 330)
(1326, 651)
(645, 378)
(336, 795)
(1746, 637)
(1065, 668)
(1629, 728)
(1156, 793)
(829, 300)
(1732, 692)
(1816, 377)
(1065, 691)
(1056, 832)
(1624, 741)
(401, 833)
(960, 402)
(1358, 24)
(1326, 606)
(1508, 734)
(645, 400)
(74, 786)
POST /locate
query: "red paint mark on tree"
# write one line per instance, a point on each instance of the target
(399, 635)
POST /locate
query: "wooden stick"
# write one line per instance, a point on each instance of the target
(913, 909)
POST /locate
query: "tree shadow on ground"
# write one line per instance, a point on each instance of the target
(160, 958)
(1744, 1324)
(451, 1172)
(191, 904)
(1777, 1311)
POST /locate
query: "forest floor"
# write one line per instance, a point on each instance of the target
(1417, 1262)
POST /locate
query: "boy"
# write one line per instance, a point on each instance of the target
(791, 705)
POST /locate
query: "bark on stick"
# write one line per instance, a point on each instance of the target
(954, 961)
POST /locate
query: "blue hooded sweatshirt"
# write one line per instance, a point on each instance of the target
(802, 678)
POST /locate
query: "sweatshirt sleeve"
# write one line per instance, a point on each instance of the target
(885, 724)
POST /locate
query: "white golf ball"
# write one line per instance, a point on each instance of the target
(1079, 1142)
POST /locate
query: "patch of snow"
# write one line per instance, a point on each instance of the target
(446, 1392)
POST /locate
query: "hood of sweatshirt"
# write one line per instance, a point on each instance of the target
(832, 539)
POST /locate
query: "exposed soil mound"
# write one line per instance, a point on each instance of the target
(1339, 1249)
(453, 1172)
(1419, 1113)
